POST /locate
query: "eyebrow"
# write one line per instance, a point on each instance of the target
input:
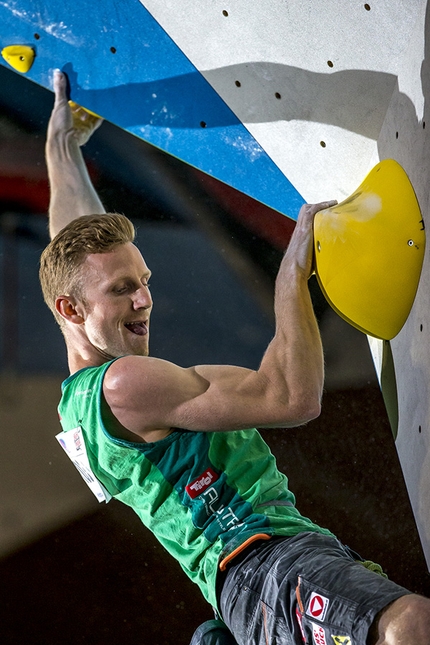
(128, 278)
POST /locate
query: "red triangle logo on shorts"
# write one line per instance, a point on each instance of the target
(317, 606)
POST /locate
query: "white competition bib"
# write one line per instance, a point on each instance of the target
(74, 445)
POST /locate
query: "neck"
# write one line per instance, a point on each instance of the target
(79, 357)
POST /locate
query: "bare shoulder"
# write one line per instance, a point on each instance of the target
(126, 365)
(133, 374)
(143, 393)
(128, 396)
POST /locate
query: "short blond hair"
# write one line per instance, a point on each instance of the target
(62, 260)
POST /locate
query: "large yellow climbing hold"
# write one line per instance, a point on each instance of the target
(369, 251)
(20, 57)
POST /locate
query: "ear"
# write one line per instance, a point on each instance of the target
(69, 309)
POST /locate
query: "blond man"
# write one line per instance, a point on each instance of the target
(180, 445)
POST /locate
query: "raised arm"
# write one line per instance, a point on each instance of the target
(72, 193)
(146, 394)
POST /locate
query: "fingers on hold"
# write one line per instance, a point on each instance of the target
(60, 85)
(59, 78)
(323, 205)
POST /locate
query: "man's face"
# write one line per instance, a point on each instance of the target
(117, 302)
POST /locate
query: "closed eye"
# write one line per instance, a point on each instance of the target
(129, 287)
(120, 290)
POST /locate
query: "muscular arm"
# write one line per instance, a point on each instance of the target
(149, 396)
(72, 193)
(146, 394)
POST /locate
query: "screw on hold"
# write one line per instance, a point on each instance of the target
(20, 57)
(410, 242)
(318, 246)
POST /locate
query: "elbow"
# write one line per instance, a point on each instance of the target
(307, 401)
(287, 407)
(311, 403)
(307, 411)
(300, 412)
(312, 411)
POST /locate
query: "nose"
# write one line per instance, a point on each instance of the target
(142, 298)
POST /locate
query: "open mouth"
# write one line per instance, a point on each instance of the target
(138, 327)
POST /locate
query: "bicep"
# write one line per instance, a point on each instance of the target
(147, 393)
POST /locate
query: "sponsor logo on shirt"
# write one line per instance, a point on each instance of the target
(318, 634)
(85, 393)
(199, 485)
(342, 640)
(317, 607)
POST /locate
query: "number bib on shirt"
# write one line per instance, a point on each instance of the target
(73, 444)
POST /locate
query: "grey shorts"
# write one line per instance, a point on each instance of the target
(304, 589)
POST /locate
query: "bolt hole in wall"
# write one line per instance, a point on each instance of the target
(225, 13)
(397, 135)
(367, 7)
(36, 36)
(330, 63)
(202, 124)
(322, 144)
(113, 50)
(237, 83)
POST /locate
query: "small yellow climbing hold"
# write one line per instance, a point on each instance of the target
(20, 57)
(76, 108)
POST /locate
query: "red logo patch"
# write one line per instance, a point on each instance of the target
(200, 484)
(317, 606)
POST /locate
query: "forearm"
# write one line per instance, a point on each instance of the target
(294, 359)
(72, 192)
(296, 351)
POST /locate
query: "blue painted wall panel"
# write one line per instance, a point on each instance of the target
(122, 65)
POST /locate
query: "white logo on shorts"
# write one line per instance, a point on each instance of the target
(317, 607)
(319, 635)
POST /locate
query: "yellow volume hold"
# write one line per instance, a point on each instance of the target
(20, 57)
(369, 251)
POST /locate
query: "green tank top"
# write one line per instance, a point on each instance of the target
(202, 494)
